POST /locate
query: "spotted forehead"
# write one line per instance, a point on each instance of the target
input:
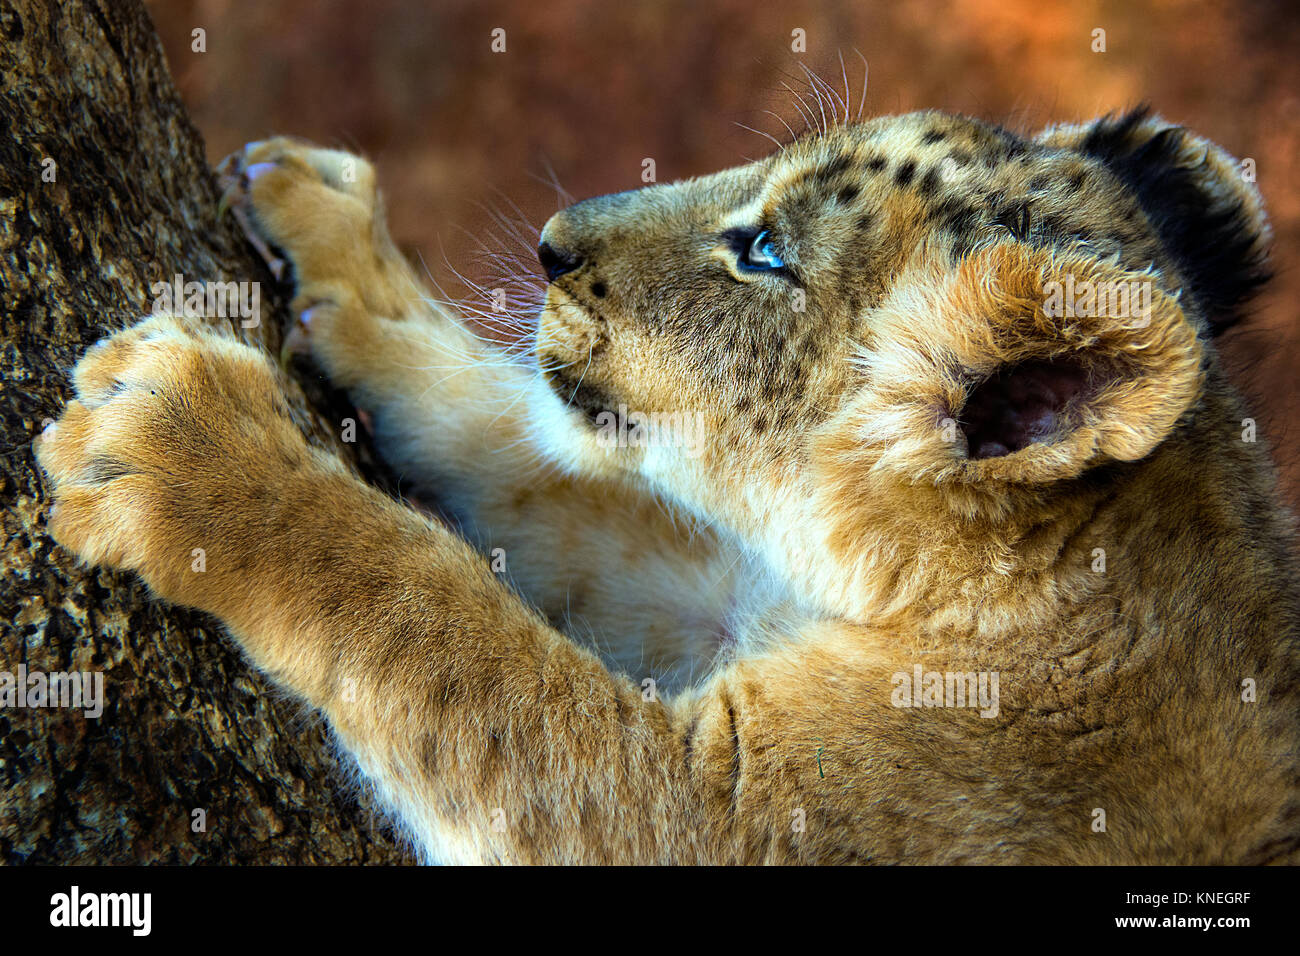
(920, 151)
(952, 174)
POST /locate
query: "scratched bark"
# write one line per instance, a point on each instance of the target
(186, 725)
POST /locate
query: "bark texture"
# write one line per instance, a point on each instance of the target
(86, 100)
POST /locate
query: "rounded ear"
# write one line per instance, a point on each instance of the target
(1202, 202)
(1018, 365)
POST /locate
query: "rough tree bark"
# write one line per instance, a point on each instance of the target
(88, 103)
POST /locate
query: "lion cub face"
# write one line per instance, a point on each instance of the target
(925, 293)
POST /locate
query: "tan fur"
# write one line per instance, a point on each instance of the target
(832, 532)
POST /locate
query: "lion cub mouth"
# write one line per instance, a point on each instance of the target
(571, 389)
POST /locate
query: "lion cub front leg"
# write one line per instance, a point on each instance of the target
(450, 415)
(462, 705)
(446, 407)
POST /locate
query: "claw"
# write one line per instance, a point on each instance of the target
(278, 267)
(226, 201)
(295, 343)
(230, 175)
(230, 164)
(258, 169)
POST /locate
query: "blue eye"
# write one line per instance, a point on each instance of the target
(761, 253)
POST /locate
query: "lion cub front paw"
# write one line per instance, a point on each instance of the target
(298, 201)
(172, 454)
(314, 215)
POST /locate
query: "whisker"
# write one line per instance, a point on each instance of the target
(801, 106)
(845, 73)
(776, 142)
(830, 94)
(865, 70)
(783, 123)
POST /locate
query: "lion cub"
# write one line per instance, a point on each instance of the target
(880, 501)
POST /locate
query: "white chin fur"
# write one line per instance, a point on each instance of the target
(562, 437)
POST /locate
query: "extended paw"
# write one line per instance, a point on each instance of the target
(313, 214)
(298, 199)
(176, 433)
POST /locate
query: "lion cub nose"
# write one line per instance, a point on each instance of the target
(557, 262)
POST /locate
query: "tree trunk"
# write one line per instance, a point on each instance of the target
(104, 191)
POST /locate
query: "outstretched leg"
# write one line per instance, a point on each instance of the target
(601, 559)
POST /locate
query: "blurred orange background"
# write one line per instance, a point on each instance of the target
(588, 89)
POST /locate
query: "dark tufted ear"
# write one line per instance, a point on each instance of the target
(1208, 215)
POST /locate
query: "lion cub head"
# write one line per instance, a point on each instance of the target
(922, 305)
